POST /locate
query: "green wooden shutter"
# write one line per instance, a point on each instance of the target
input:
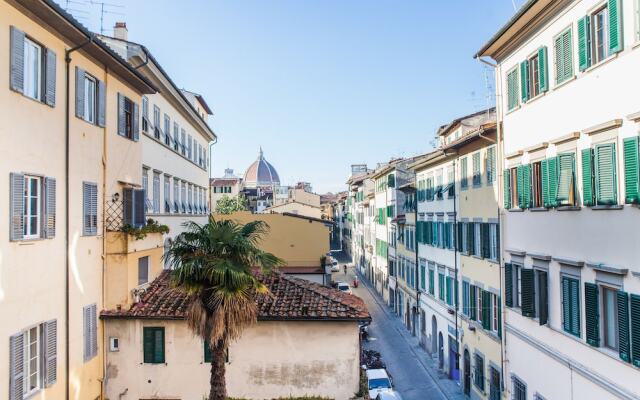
(471, 235)
(526, 177)
(587, 177)
(520, 183)
(527, 282)
(631, 170)
(508, 284)
(584, 48)
(472, 301)
(543, 298)
(616, 42)
(484, 240)
(499, 300)
(566, 178)
(459, 236)
(524, 80)
(624, 343)
(449, 286)
(544, 180)
(634, 307)
(543, 75)
(507, 189)
(559, 50)
(486, 310)
(148, 344)
(465, 298)
(432, 282)
(566, 301)
(605, 174)
(552, 176)
(441, 286)
(592, 314)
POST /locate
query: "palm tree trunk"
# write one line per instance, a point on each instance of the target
(217, 381)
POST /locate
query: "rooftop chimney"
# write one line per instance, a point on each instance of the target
(120, 31)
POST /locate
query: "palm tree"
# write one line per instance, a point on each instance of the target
(213, 264)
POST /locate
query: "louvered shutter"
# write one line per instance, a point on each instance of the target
(499, 300)
(605, 173)
(507, 189)
(16, 367)
(616, 36)
(102, 101)
(566, 178)
(544, 179)
(148, 336)
(508, 284)
(86, 333)
(486, 310)
(491, 164)
(127, 205)
(527, 282)
(634, 307)
(526, 184)
(574, 296)
(587, 177)
(159, 345)
(543, 298)
(520, 183)
(459, 236)
(568, 54)
(624, 343)
(122, 123)
(17, 60)
(524, 80)
(94, 330)
(87, 208)
(49, 226)
(136, 122)
(592, 314)
(543, 75)
(139, 210)
(472, 300)
(560, 55)
(631, 170)
(79, 92)
(50, 352)
(50, 78)
(566, 304)
(584, 47)
(553, 178)
(484, 239)
(17, 206)
(471, 234)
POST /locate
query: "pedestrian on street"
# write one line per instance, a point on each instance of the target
(345, 269)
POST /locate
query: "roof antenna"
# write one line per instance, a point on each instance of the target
(515, 8)
(102, 5)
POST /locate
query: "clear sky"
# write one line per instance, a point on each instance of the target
(319, 84)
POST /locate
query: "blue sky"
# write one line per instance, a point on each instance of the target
(319, 84)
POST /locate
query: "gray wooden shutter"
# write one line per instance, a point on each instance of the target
(543, 297)
(86, 334)
(49, 225)
(139, 216)
(86, 209)
(79, 92)
(135, 123)
(17, 206)
(93, 325)
(127, 203)
(50, 352)
(50, 78)
(102, 99)
(16, 366)
(122, 123)
(17, 60)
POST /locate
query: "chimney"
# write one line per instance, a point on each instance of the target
(120, 31)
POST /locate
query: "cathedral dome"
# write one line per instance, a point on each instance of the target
(261, 174)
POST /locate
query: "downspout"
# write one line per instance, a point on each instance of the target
(415, 246)
(67, 60)
(455, 268)
(103, 382)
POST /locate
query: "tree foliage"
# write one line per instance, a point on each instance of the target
(229, 205)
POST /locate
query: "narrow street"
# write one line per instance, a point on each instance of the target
(412, 370)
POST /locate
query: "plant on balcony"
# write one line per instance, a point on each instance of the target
(139, 233)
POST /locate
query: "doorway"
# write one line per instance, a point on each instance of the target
(434, 334)
(440, 351)
(467, 373)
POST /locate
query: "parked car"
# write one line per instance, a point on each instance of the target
(378, 382)
(344, 287)
(392, 395)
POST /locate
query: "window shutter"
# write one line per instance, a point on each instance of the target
(49, 225)
(102, 100)
(527, 282)
(560, 56)
(79, 92)
(605, 173)
(499, 302)
(86, 333)
(508, 284)
(631, 170)
(566, 305)
(520, 185)
(16, 367)
(127, 205)
(543, 298)
(471, 234)
(592, 314)
(544, 172)
(122, 123)
(524, 80)
(553, 177)
(566, 179)
(584, 50)
(17, 206)
(17, 60)
(50, 78)
(486, 310)
(616, 42)
(623, 326)
(94, 330)
(507, 189)
(139, 209)
(568, 54)
(50, 352)
(136, 122)
(473, 302)
(459, 236)
(526, 178)
(634, 306)
(86, 209)
(148, 342)
(543, 75)
(587, 177)
(449, 286)
(484, 235)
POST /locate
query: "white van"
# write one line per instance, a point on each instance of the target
(377, 382)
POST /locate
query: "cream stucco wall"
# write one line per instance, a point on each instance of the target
(296, 208)
(270, 360)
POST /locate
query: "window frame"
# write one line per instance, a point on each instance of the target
(537, 197)
(140, 265)
(90, 99)
(533, 78)
(27, 215)
(517, 383)
(516, 91)
(128, 117)
(29, 68)
(594, 42)
(145, 114)
(27, 373)
(558, 79)
(167, 130)
(604, 289)
(164, 347)
(156, 122)
(479, 376)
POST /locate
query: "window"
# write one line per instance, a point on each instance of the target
(495, 313)
(156, 192)
(127, 118)
(512, 284)
(183, 192)
(495, 390)
(423, 275)
(563, 49)
(493, 242)
(143, 270)
(465, 237)
(476, 169)
(189, 147)
(463, 173)
(32, 206)
(515, 188)
(89, 209)
(512, 89)
(571, 305)
(176, 195)
(90, 94)
(600, 42)
(156, 122)
(490, 165)
(519, 389)
(536, 187)
(479, 372)
(145, 114)
(533, 72)
(183, 142)
(466, 296)
(153, 345)
(477, 240)
(145, 187)
(610, 317)
(133, 203)
(600, 34)
(432, 280)
(167, 130)
(32, 358)
(439, 183)
(176, 136)
(533, 78)
(441, 286)
(32, 70)
(599, 184)
(167, 194)
(90, 332)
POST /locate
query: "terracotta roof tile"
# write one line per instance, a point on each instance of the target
(289, 298)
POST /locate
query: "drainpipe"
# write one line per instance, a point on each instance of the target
(103, 383)
(67, 60)
(415, 245)
(455, 267)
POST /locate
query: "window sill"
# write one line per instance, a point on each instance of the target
(515, 210)
(599, 208)
(477, 257)
(565, 82)
(538, 96)
(538, 209)
(569, 208)
(514, 109)
(635, 45)
(601, 63)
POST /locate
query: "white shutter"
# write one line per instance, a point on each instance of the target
(16, 366)
(79, 92)
(17, 60)
(50, 352)
(17, 206)
(50, 78)
(49, 225)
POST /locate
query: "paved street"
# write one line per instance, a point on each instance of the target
(413, 372)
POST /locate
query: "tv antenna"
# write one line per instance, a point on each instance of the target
(104, 9)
